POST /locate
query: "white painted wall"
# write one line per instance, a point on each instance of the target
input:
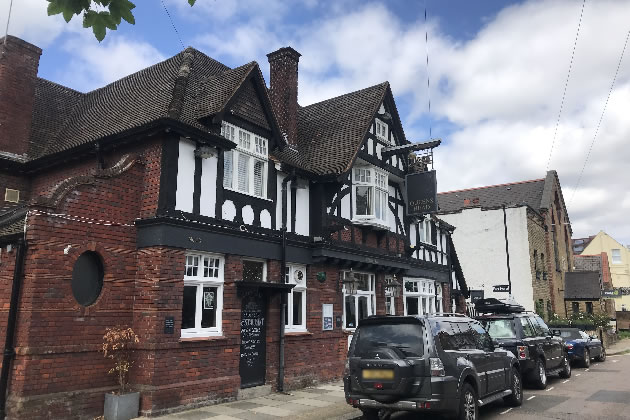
(302, 208)
(345, 204)
(479, 240)
(279, 177)
(185, 176)
(208, 196)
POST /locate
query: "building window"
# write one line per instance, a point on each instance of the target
(589, 307)
(390, 300)
(616, 256)
(254, 270)
(381, 131)
(295, 311)
(575, 307)
(420, 297)
(424, 230)
(370, 195)
(87, 278)
(245, 167)
(203, 295)
(360, 305)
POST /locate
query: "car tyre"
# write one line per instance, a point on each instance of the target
(602, 355)
(539, 376)
(586, 360)
(516, 399)
(370, 413)
(468, 405)
(565, 373)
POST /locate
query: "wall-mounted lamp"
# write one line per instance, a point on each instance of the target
(393, 286)
(205, 152)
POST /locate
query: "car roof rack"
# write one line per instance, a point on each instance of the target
(498, 306)
(448, 314)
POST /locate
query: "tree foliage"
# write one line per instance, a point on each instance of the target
(581, 320)
(99, 15)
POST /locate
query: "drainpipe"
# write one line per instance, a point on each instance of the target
(507, 252)
(283, 269)
(9, 350)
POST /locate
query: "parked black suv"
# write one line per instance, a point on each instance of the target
(527, 336)
(443, 363)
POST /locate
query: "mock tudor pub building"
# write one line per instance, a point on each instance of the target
(241, 235)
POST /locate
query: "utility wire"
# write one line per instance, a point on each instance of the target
(173, 23)
(601, 117)
(426, 44)
(566, 83)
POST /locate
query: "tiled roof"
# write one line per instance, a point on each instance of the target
(582, 285)
(185, 87)
(518, 193)
(330, 132)
(12, 222)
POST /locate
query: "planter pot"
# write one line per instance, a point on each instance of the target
(121, 407)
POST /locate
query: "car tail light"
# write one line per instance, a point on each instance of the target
(522, 352)
(346, 368)
(352, 402)
(570, 346)
(437, 367)
(426, 405)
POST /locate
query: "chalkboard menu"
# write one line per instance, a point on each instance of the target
(253, 345)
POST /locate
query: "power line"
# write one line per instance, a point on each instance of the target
(173, 24)
(566, 83)
(426, 43)
(601, 117)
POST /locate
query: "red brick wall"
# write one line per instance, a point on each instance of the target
(18, 76)
(7, 264)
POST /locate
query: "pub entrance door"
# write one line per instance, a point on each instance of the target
(253, 339)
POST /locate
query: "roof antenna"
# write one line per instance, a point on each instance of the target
(6, 32)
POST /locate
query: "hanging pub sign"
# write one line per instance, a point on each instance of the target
(421, 193)
(501, 288)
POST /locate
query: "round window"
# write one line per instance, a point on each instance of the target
(87, 278)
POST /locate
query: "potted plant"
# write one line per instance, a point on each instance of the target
(118, 345)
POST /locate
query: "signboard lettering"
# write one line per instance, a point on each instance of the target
(169, 325)
(501, 288)
(421, 193)
(616, 292)
(476, 295)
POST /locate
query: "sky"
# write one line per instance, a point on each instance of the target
(497, 70)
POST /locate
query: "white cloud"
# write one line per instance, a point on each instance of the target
(96, 64)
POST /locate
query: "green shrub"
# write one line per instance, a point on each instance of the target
(581, 320)
(624, 334)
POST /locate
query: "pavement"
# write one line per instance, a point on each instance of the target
(320, 402)
(619, 347)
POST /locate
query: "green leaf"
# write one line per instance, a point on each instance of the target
(67, 14)
(99, 30)
(128, 16)
(54, 8)
(191, 2)
(88, 18)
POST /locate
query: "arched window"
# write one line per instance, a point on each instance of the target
(87, 278)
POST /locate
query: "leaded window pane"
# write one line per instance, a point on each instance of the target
(189, 306)
(297, 308)
(259, 178)
(243, 173)
(209, 307)
(227, 169)
(364, 201)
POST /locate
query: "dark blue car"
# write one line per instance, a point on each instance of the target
(580, 346)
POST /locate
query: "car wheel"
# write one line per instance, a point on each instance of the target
(586, 361)
(539, 376)
(516, 399)
(566, 369)
(370, 413)
(602, 355)
(468, 408)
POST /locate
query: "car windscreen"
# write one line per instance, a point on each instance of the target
(405, 337)
(499, 328)
(570, 335)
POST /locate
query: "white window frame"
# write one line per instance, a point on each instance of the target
(370, 294)
(258, 260)
(377, 181)
(615, 259)
(250, 148)
(300, 288)
(382, 130)
(424, 292)
(200, 280)
(390, 300)
(424, 231)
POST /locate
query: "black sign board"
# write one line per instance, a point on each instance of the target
(421, 193)
(501, 288)
(253, 341)
(169, 325)
(475, 295)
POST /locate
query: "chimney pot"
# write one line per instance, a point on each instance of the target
(283, 72)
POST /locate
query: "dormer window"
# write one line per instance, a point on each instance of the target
(370, 195)
(381, 131)
(245, 167)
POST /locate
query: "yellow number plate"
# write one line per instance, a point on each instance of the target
(378, 374)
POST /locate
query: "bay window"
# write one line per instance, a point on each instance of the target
(295, 311)
(202, 304)
(361, 304)
(424, 230)
(420, 297)
(245, 167)
(370, 195)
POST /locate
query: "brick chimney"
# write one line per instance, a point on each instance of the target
(283, 70)
(19, 62)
